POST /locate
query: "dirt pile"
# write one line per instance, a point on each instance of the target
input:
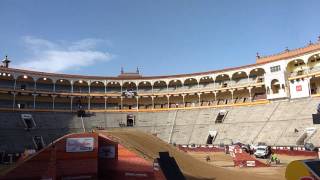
(149, 146)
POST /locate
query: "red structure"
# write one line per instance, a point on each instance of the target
(84, 156)
(243, 159)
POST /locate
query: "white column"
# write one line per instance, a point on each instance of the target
(71, 99)
(152, 101)
(14, 100)
(54, 87)
(89, 102)
(121, 102)
(250, 95)
(184, 104)
(137, 98)
(105, 102)
(168, 98)
(53, 99)
(232, 96)
(199, 96)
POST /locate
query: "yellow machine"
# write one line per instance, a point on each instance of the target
(303, 170)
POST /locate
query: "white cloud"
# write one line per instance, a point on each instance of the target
(58, 57)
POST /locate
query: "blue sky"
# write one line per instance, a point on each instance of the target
(161, 37)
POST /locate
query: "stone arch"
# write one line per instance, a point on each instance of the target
(44, 84)
(222, 80)
(190, 82)
(175, 84)
(275, 86)
(315, 85)
(144, 86)
(97, 87)
(191, 100)
(239, 76)
(81, 86)
(296, 66)
(206, 81)
(113, 87)
(159, 86)
(25, 82)
(314, 62)
(256, 72)
(6, 80)
(63, 85)
(129, 85)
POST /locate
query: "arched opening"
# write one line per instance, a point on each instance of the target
(63, 85)
(62, 102)
(6, 80)
(258, 93)
(314, 63)
(129, 103)
(257, 75)
(113, 103)
(129, 86)
(191, 100)
(190, 83)
(44, 102)
(296, 67)
(240, 77)
(206, 82)
(160, 102)
(222, 80)
(159, 86)
(6, 100)
(224, 97)
(97, 102)
(145, 102)
(25, 83)
(97, 87)
(175, 85)
(113, 87)
(81, 87)
(44, 84)
(275, 86)
(207, 99)
(80, 103)
(144, 87)
(315, 85)
(24, 101)
(241, 95)
(176, 101)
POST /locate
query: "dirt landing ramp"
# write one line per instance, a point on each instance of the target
(149, 146)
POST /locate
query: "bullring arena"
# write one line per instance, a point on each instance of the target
(123, 122)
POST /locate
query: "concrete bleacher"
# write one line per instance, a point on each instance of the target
(277, 123)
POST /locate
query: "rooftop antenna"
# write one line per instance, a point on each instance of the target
(287, 49)
(137, 70)
(6, 62)
(122, 70)
(310, 43)
(258, 56)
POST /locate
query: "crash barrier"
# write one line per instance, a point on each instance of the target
(243, 159)
(201, 148)
(293, 151)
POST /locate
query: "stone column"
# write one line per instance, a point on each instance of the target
(137, 98)
(250, 95)
(152, 101)
(121, 102)
(105, 102)
(53, 101)
(199, 96)
(71, 102)
(183, 101)
(168, 98)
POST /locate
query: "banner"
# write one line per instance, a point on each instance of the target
(80, 144)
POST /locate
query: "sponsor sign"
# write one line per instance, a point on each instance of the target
(251, 163)
(298, 88)
(79, 144)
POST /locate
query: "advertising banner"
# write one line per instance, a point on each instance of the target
(80, 144)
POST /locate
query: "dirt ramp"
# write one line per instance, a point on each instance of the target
(149, 146)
